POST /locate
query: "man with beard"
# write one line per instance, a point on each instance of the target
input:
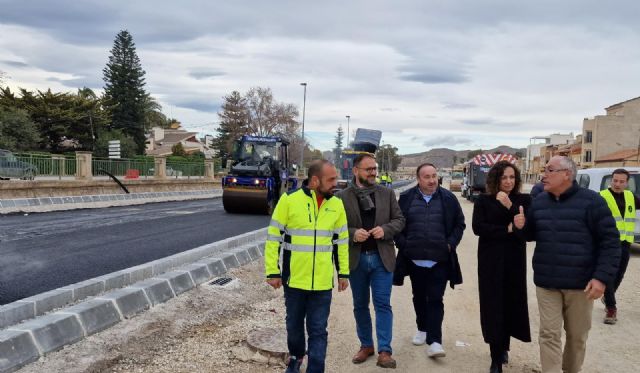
(374, 217)
(309, 229)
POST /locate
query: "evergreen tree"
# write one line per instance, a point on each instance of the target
(124, 89)
(233, 123)
(339, 139)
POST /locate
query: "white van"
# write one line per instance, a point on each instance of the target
(599, 179)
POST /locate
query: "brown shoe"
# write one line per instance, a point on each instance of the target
(362, 355)
(385, 360)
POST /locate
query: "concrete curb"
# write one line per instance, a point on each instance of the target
(155, 283)
(46, 204)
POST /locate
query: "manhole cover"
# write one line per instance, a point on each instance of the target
(222, 281)
(273, 341)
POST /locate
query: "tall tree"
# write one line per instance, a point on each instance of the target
(124, 89)
(388, 158)
(17, 130)
(233, 123)
(339, 140)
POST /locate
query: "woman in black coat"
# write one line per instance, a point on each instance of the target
(502, 267)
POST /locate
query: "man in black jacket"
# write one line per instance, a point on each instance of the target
(433, 230)
(576, 256)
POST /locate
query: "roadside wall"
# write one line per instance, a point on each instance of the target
(42, 188)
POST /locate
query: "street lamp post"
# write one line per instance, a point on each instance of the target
(348, 119)
(304, 106)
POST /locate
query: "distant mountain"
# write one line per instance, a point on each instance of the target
(443, 157)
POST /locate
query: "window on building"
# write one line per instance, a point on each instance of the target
(587, 156)
(588, 137)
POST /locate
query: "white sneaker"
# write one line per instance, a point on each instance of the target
(420, 338)
(436, 350)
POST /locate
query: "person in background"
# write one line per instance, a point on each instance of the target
(308, 230)
(502, 267)
(623, 205)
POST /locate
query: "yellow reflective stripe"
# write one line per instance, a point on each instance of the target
(308, 248)
(276, 224)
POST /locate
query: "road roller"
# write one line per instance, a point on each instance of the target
(259, 174)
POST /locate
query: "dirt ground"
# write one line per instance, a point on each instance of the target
(204, 330)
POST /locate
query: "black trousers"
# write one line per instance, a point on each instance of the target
(610, 293)
(428, 286)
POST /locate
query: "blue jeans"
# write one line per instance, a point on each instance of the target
(428, 286)
(370, 277)
(315, 307)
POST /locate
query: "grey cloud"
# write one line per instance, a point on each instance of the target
(89, 82)
(200, 75)
(207, 106)
(434, 78)
(458, 105)
(14, 63)
(389, 109)
(447, 140)
(489, 122)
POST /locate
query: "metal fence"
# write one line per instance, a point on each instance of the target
(133, 168)
(30, 166)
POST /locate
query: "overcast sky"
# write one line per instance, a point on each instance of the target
(458, 74)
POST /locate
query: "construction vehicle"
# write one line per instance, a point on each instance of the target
(366, 141)
(476, 170)
(259, 174)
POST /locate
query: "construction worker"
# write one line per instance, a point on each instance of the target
(384, 179)
(389, 180)
(622, 204)
(309, 229)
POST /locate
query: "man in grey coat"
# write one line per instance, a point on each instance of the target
(373, 217)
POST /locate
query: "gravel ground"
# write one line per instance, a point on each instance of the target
(205, 329)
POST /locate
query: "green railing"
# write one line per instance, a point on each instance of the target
(122, 167)
(185, 169)
(29, 166)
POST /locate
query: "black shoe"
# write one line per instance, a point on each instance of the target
(294, 365)
(495, 368)
(505, 357)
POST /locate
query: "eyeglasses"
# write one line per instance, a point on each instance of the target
(549, 170)
(369, 169)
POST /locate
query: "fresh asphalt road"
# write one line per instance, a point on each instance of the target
(44, 251)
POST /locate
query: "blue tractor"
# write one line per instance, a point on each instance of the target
(259, 174)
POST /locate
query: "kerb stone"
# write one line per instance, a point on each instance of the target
(129, 301)
(17, 349)
(199, 272)
(95, 315)
(50, 300)
(157, 290)
(180, 281)
(52, 332)
(15, 312)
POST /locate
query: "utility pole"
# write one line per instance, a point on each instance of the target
(348, 119)
(304, 106)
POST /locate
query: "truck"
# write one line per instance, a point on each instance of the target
(476, 170)
(259, 173)
(366, 141)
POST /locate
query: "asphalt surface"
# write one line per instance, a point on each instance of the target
(45, 251)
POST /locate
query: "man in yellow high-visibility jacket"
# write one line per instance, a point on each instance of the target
(309, 231)
(623, 205)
